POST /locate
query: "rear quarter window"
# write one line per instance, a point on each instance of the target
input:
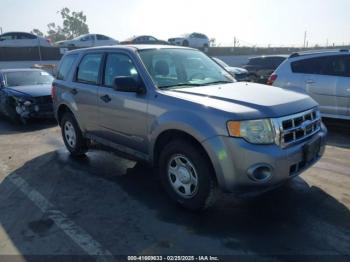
(66, 66)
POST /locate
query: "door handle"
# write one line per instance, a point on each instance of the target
(106, 98)
(74, 91)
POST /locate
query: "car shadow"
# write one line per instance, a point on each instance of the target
(8, 127)
(338, 132)
(108, 196)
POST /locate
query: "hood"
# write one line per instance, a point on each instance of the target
(32, 90)
(247, 100)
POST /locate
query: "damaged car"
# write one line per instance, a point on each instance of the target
(25, 94)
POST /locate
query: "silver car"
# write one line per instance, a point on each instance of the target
(88, 40)
(178, 110)
(324, 75)
(22, 39)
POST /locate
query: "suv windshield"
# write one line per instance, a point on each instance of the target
(176, 68)
(25, 78)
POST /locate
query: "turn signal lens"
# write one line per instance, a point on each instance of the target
(234, 128)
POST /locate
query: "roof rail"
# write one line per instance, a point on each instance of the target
(294, 55)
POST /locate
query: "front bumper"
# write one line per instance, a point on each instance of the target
(232, 159)
(36, 111)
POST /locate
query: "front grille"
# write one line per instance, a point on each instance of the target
(295, 128)
(43, 100)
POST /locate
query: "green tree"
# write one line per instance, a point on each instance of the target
(37, 32)
(74, 24)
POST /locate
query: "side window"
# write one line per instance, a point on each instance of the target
(326, 65)
(66, 66)
(6, 37)
(86, 38)
(118, 65)
(102, 37)
(337, 66)
(89, 69)
(347, 66)
(276, 61)
(309, 66)
(27, 36)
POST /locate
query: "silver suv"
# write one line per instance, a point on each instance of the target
(324, 75)
(176, 109)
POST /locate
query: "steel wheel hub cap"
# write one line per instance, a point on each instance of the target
(182, 176)
(69, 134)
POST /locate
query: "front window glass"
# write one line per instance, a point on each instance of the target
(118, 65)
(25, 78)
(176, 68)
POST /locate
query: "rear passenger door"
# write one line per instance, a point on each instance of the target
(341, 68)
(122, 115)
(84, 90)
(320, 86)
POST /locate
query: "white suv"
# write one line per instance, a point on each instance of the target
(195, 40)
(324, 75)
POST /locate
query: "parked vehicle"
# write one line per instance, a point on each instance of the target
(25, 93)
(324, 75)
(144, 39)
(195, 40)
(88, 40)
(22, 39)
(178, 110)
(261, 67)
(240, 74)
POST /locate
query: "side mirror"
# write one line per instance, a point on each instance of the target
(128, 84)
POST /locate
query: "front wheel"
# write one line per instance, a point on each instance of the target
(187, 175)
(72, 136)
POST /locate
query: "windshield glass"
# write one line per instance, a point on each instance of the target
(25, 78)
(176, 68)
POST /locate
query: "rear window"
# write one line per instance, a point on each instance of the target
(267, 62)
(66, 66)
(27, 77)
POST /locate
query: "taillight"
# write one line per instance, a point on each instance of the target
(272, 79)
(53, 92)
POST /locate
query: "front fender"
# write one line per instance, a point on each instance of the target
(184, 121)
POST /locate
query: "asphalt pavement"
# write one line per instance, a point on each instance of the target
(101, 204)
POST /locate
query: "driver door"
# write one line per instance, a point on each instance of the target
(122, 115)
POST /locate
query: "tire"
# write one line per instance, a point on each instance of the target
(14, 117)
(185, 43)
(195, 165)
(73, 138)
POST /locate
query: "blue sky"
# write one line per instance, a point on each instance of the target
(253, 22)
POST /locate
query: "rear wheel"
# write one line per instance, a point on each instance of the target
(72, 136)
(187, 175)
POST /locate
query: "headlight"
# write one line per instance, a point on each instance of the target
(254, 131)
(27, 103)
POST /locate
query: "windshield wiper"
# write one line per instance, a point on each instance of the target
(219, 82)
(179, 85)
